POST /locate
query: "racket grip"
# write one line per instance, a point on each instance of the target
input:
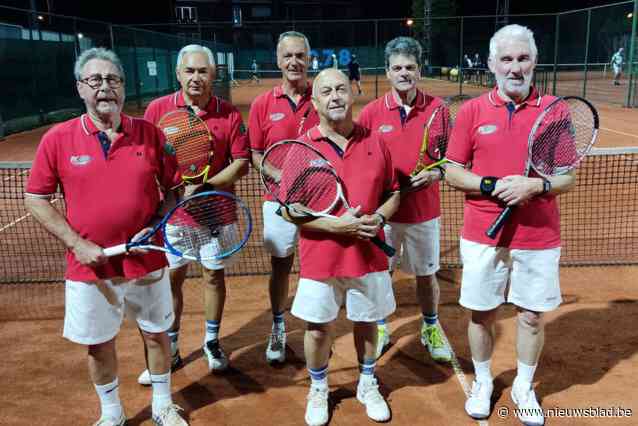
(115, 250)
(499, 222)
(385, 247)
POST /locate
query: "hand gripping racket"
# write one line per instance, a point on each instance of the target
(209, 225)
(192, 141)
(560, 138)
(436, 134)
(303, 180)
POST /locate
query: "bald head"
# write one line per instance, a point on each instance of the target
(332, 96)
(328, 74)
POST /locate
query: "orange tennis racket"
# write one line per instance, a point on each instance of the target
(192, 141)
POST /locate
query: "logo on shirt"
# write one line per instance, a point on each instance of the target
(242, 129)
(386, 128)
(80, 160)
(277, 116)
(487, 129)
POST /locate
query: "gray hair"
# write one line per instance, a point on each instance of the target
(516, 32)
(97, 53)
(194, 48)
(403, 46)
(295, 34)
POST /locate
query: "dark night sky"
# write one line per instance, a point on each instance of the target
(127, 11)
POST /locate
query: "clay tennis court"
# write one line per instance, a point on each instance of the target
(590, 357)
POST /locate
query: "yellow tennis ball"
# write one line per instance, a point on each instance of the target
(454, 72)
(444, 70)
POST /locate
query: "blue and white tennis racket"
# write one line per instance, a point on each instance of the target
(205, 226)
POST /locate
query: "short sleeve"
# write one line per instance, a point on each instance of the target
(44, 176)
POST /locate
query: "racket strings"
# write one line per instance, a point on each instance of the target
(304, 180)
(438, 135)
(190, 138)
(209, 226)
(562, 138)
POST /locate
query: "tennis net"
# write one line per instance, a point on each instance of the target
(599, 222)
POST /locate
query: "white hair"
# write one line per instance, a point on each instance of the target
(195, 48)
(516, 32)
(294, 34)
(97, 53)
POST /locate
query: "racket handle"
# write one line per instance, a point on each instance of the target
(385, 247)
(115, 250)
(499, 222)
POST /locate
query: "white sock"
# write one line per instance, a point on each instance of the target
(482, 370)
(161, 391)
(110, 399)
(524, 376)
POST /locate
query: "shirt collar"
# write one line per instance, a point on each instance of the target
(278, 91)
(89, 128)
(212, 106)
(533, 99)
(315, 134)
(420, 102)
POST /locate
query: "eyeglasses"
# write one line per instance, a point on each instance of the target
(95, 81)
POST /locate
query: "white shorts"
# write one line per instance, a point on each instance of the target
(368, 298)
(532, 274)
(94, 310)
(417, 246)
(280, 236)
(617, 69)
(175, 262)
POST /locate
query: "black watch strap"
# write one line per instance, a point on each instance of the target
(547, 186)
(488, 183)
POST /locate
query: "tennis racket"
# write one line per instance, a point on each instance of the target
(436, 134)
(192, 141)
(205, 226)
(302, 180)
(560, 138)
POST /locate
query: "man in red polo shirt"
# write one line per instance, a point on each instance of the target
(401, 116)
(339, 264)
(195, 71)
(109, 166)
(487, 154)
(285, 112)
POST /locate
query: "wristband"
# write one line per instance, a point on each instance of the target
(383, 219)
(547, 186)
(442, 171)
(488, 183)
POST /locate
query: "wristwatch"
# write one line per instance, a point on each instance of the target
(488, 183)
(383, 219)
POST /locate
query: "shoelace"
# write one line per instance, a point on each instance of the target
(371, 393)
(276, 340)
(168, 412)
(434, 337)
(317, 398)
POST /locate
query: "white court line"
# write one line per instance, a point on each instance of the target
(21, 218)
(619, 132)
(458, 371)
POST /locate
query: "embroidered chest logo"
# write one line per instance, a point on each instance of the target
(80, 160)
(277, 116)
(487, 129)
(386, 128)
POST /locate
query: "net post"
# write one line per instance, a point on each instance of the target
(112, 37)
(556, 38)
(136, 73)
(586, 53)
(632, 46)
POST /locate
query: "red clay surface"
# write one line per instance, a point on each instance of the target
(589, 359)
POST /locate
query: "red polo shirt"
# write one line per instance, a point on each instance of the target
(493, 141)
(274, 117)
(108, 199)
(404, 137)
(368, 178)
(230, 139)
